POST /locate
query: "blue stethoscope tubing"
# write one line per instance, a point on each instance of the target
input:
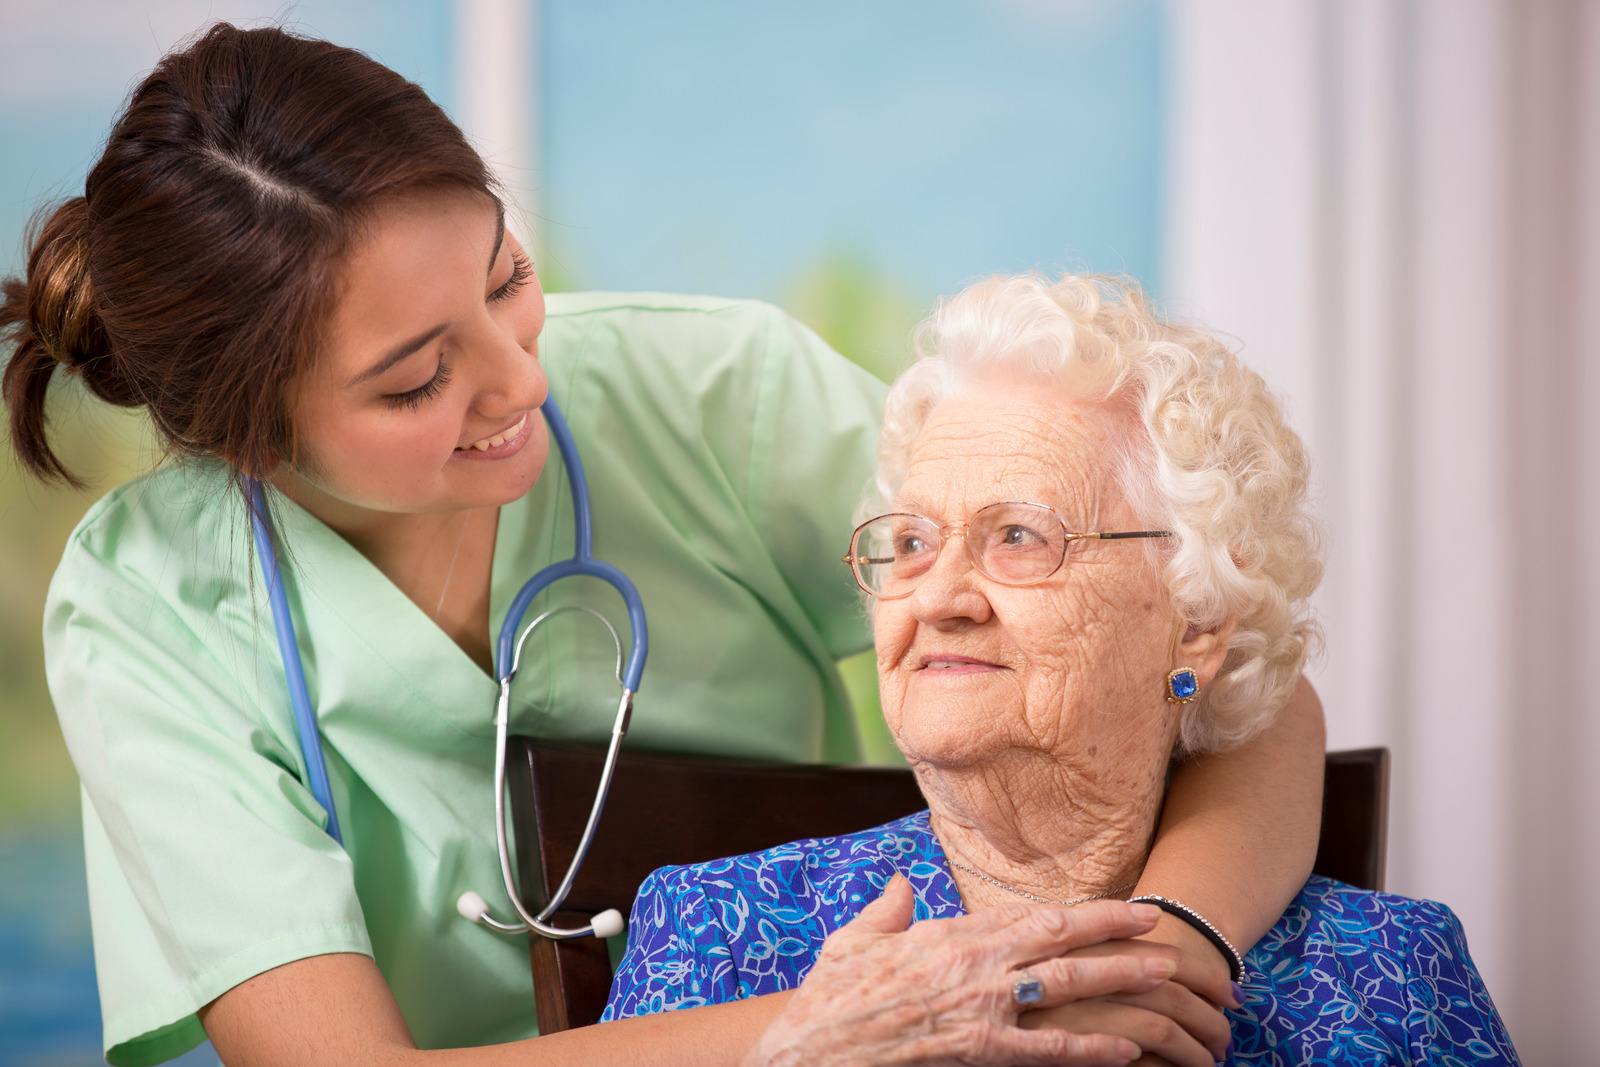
(508, 654)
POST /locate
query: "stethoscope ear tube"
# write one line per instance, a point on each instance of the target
(305, 719)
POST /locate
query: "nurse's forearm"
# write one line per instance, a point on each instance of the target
(1238, 833)
(336, 1010)
(719, 1034)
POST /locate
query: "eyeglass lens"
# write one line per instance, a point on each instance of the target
(1013, 543)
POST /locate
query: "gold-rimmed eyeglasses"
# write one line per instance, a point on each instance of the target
(1013, 542)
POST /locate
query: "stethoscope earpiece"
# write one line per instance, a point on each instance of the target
(475, 909)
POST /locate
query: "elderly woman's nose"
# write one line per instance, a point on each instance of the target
(952, 588)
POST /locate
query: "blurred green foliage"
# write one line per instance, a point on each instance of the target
(104, 446)
(843, 298)
(865, 317)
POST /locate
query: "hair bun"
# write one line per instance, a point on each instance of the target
(61, 311)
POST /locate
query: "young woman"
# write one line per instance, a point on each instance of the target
(295, 264)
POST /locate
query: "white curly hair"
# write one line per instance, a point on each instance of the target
(1217, 464)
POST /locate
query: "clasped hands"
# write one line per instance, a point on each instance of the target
(942, 992)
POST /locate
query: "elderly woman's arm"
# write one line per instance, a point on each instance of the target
(1238, 833)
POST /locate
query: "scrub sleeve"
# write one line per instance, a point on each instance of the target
(726, 448)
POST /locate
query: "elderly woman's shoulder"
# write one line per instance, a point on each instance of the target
(753, 924)
(1326, 908)
(823, 878)
(1348, 968)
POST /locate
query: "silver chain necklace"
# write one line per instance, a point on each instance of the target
(997, 883)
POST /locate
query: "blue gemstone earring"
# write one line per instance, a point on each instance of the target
(1182, 686)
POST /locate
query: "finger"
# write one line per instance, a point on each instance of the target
(1198, 976)
(889, 914)
(1154, 1032)
(1061, 1048)
(1038, 931)
(1077, 978)
(1204, 1021)
(1203, 969)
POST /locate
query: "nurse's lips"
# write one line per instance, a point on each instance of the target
(507, 442)
(947, 664)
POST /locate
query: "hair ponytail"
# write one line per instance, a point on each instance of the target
(52, 318)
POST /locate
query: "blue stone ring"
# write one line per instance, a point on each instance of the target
(1027, 990)
(1182, 686)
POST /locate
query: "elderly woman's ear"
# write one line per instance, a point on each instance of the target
(1204, 651)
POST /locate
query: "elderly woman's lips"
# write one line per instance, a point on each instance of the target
(956, 665)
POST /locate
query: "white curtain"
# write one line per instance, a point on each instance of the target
(1394, 205)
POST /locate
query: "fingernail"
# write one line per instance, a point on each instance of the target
(1228, 1051)
(1160, 967)
(1146, 912)
(1238, 996)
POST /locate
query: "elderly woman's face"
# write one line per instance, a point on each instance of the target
(1075, 666)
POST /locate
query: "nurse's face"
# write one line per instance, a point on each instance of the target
(425, 398)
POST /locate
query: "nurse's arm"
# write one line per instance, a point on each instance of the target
(336, 1010)
(1239, 831)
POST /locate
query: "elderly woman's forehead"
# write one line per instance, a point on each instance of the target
(1039, 440)
(1036, 418)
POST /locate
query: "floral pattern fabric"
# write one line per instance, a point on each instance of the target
(1346, 976)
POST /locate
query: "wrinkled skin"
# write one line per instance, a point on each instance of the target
(940, 992)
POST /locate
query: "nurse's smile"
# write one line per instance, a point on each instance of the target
(502, 445)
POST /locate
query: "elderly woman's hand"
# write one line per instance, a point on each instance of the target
(942, 991)
(1180, 1021)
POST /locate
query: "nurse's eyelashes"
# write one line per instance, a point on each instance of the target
(521, 274)
(415, 398)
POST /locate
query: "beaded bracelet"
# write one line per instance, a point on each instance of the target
(1201, 924)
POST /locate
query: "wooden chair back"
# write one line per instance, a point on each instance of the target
(674, 809)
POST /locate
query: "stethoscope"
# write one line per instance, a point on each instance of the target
(508, 655)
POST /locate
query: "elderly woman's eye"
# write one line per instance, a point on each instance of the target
(1014, 536)
(910, 545)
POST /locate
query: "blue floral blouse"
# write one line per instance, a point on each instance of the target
(1345, 977)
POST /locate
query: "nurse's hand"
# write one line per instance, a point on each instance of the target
(1172, 1023)
(941, 991)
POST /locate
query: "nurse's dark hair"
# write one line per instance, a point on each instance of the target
(195, 274)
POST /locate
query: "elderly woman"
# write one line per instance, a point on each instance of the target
(1096, 557)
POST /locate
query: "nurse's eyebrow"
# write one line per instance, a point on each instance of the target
(407, 348)
(499, 235)
(396, 354)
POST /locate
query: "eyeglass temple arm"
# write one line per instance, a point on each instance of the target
(1117, 536)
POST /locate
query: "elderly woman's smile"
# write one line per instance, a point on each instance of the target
(958, 665)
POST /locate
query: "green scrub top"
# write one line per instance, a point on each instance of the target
(726, 447)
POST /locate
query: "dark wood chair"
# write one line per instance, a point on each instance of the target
(667, 809)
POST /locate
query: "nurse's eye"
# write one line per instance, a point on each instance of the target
(521, 274)
(423, 393)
